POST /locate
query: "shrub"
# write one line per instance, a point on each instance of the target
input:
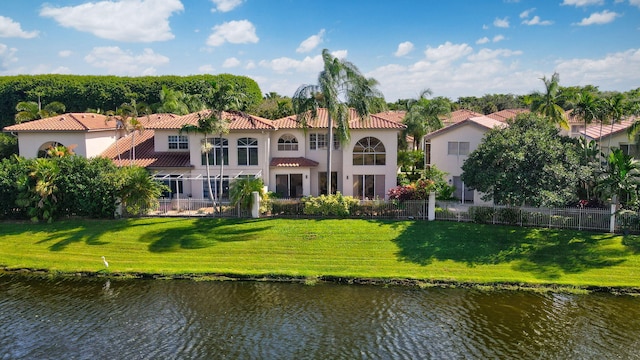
(508, 215)
(329, 205)
(482, 214)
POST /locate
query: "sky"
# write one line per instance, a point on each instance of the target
(455, 48)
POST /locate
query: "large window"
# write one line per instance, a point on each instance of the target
(287, 142)
(247, 151)
(215, 187)
(289, 185)
(174, 183)
(458, 148)
(318, 141)
(178, 142)
(322, 182)
(219, 151)
(369, 186)
(369, 151)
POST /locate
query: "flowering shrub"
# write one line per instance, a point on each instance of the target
(416, 191)
(329, 205)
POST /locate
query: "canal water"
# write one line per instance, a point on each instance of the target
(180, 319)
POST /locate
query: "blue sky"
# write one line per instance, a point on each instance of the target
(455, 47)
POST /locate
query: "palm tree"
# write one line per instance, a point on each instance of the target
(127, 119)
(340, 86)
(621, 177)
(547, 104)
(177, 102)
(423, 116)
(31, 110)
(612, 110)
(586, 108)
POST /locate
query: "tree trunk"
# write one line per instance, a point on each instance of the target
(206, 157)
(329, 150)
(221, 174)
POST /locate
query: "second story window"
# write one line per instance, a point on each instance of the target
(319, 141)
(219, 151)
(247, 151)
(369, 151)
(178, 142)
(287, 143)
(458, 148)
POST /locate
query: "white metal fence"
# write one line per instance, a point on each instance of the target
(565, 218)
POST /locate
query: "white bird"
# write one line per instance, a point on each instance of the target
(106, 264)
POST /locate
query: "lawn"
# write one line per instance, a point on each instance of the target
(433, 251)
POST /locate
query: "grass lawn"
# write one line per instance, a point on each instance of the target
(433, 251)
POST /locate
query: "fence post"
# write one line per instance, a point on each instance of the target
(432, 206)
(255, 205)
(612, 222)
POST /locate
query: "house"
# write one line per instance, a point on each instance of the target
(450, 146)
(290, 159)
(613, 136)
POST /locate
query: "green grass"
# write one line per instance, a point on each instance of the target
(433, 251)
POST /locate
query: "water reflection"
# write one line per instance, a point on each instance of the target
(138, 319)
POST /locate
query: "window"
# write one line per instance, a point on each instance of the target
(289, 185)
(180, 142)
(174, 183)
(322, 182)
(219, 151)
(629, 149)
(458, 148)
(319, 142)
(369, 151)
(215, 187)
(427, 153)
(287, 143)
(247, 151)
(368, 186)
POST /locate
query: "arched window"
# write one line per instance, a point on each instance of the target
(247, 151)
(42, 151)
(287, 142)
(369, 151)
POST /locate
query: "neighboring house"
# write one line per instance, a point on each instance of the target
(608, 136)
(290, 160)
(90, 133)
(450, 146)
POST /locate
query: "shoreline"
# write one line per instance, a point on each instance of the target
(310, 281)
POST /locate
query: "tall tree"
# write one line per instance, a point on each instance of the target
(177, 102)
(31, 110)
(612, 111)
(127, 118)
(547, 103)
(620, 178)
(424, 116)
(340, 85)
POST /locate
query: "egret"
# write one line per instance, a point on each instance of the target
(106, 264)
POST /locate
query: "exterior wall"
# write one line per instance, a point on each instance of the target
(97, 142)
(299, 135)
(452, 164)
(88, 144)
(616, 140)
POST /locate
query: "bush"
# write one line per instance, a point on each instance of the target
(508, 215)
(482, 214)
(330, 205)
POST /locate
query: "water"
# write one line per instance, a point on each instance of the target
(155, 319)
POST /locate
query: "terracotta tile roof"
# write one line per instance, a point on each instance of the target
(145, 154)
(393, 115)
(459, 115)
(66, 122)
(506, 114)
(292, 162)
(594, 130)
(237, 122)
(482, 121)
(375, 121)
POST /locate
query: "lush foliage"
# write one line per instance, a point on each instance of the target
(240, 191)
(415, 191)
(101, 93)
(424, 116)
(526, 163)
(57, 187)
(329, 205)
(8, 145)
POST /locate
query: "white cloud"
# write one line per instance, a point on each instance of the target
(234, 32)
(231, 62)
(579, 3)
(487, 54)
(119, 62)
(207, 69)
(126, 20)
(614, 71)
(447, 52)
(225, 5)
(65, 53)
(600, 18)
(525, 14)
(404, 48)
(634, 3)
(10, 29)
(7, 55)
(501, 23)
(307, 65)
(483, 40)
(311, 42)
(536, 21)
(250, 65)
(498, 38)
